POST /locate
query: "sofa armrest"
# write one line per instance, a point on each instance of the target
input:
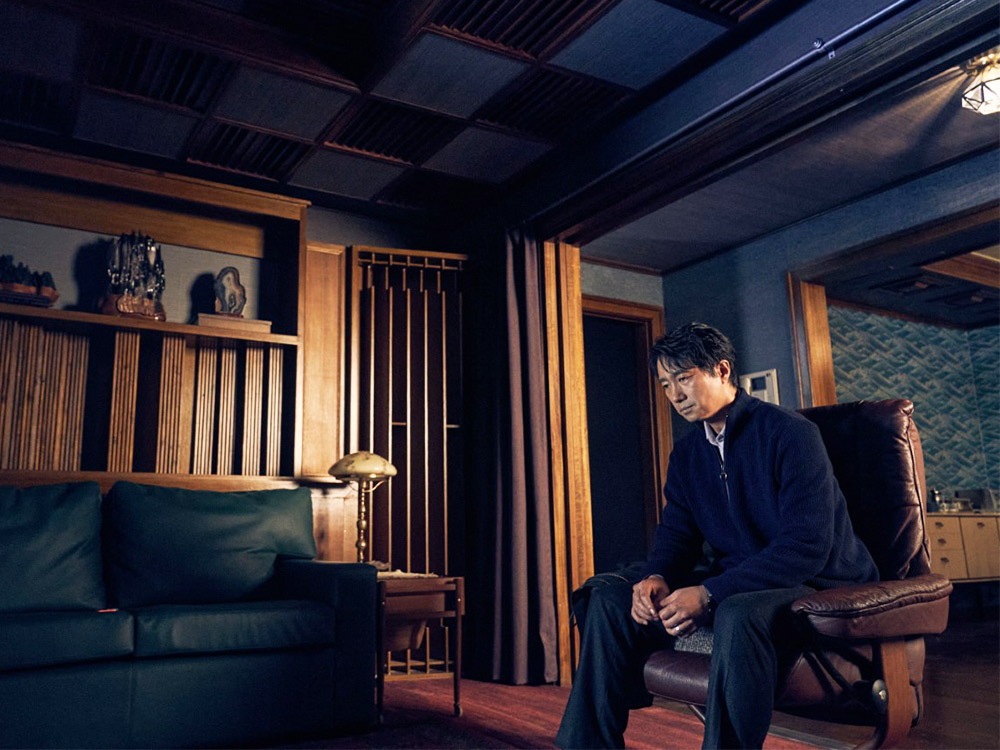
(887, 609)
(348, 587)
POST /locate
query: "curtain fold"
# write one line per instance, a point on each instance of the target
(510, 603)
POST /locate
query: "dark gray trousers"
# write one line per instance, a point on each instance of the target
(744, 676)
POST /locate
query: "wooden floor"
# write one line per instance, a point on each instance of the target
(961, 690)
(961, 695)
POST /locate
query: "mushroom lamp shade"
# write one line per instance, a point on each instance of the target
(362, 465)
(366, 471)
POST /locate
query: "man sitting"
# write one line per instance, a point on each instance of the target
(755, 483)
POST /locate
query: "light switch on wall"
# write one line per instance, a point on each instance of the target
(763, 385)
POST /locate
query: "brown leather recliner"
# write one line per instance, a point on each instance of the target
(866, 656)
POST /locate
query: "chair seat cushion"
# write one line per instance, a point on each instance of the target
(678, 675)
(39, 639)
(242, 626)
(51, 541)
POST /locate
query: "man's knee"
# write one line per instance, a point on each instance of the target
(611, 600)
(756, 611)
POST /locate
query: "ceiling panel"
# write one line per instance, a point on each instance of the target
(35, 102)
(550, 103)
(157, 70)
(273, 102)
(237, 149)
(486, 155)
(392, 131)
(131, 125)
(447, 75)
(39, 42)
(527, 25)
(344, 175)
(637, 42)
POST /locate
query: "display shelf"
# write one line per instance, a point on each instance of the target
(74, 318)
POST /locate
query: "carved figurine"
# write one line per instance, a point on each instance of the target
(135, 277)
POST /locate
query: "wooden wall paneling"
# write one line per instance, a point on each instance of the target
(170, 422)
(204, 407)
(578, 464)
(452, 355)
(30, 366)
(323, 358)
(38, 160)
(10, 334)
(400, 404)
(436, 454)
(75, 403)
(45, 426)
(296, 396)
(253, 409)
(811, 339)
(58, 400)
(121, 438)
(275, 393)
(56, 414)
(419, 498)
(560, 513)
(572, 524)
(226, 426)
(380, 407)
(116, 217)
(334, 525)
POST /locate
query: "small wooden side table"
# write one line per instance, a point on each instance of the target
(405, 604)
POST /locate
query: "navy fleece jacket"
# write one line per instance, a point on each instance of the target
(778, 519)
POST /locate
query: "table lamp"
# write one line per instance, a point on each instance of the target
(366, 471)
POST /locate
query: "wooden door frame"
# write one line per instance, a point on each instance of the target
(813, 349)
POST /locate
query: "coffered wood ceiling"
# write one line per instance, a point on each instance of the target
(411, 106)
(653, 132)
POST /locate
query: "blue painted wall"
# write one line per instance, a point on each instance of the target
(616, 283)
(954, 391)
(744, 293)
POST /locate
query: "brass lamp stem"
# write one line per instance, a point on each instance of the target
(364, 489)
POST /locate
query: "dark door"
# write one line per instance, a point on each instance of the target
(623, 437)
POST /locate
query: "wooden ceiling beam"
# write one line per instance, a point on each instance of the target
(970, 267)
(708, 147)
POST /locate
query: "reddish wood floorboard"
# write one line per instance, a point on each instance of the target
(419, 715)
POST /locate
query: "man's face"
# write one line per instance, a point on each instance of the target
(694, 393)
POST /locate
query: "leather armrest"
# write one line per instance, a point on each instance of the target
(348, 587)
(887, 609)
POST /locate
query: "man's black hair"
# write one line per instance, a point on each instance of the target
(694, 345)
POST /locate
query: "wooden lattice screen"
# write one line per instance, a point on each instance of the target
(405, 390)
(407, 399)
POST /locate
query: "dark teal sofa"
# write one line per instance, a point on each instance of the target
(160, 617)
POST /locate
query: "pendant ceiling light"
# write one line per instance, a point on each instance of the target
(983, 96)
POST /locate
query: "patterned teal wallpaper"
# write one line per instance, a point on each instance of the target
(950, 375)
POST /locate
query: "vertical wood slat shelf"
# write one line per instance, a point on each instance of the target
(83, 392)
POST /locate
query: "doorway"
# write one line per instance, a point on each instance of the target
(628, 426)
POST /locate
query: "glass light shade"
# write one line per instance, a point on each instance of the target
(362, 465)
(983, 96)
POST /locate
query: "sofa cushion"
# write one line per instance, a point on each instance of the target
(51, 541)
(240, 626)
(171, 546)
(38, 639)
